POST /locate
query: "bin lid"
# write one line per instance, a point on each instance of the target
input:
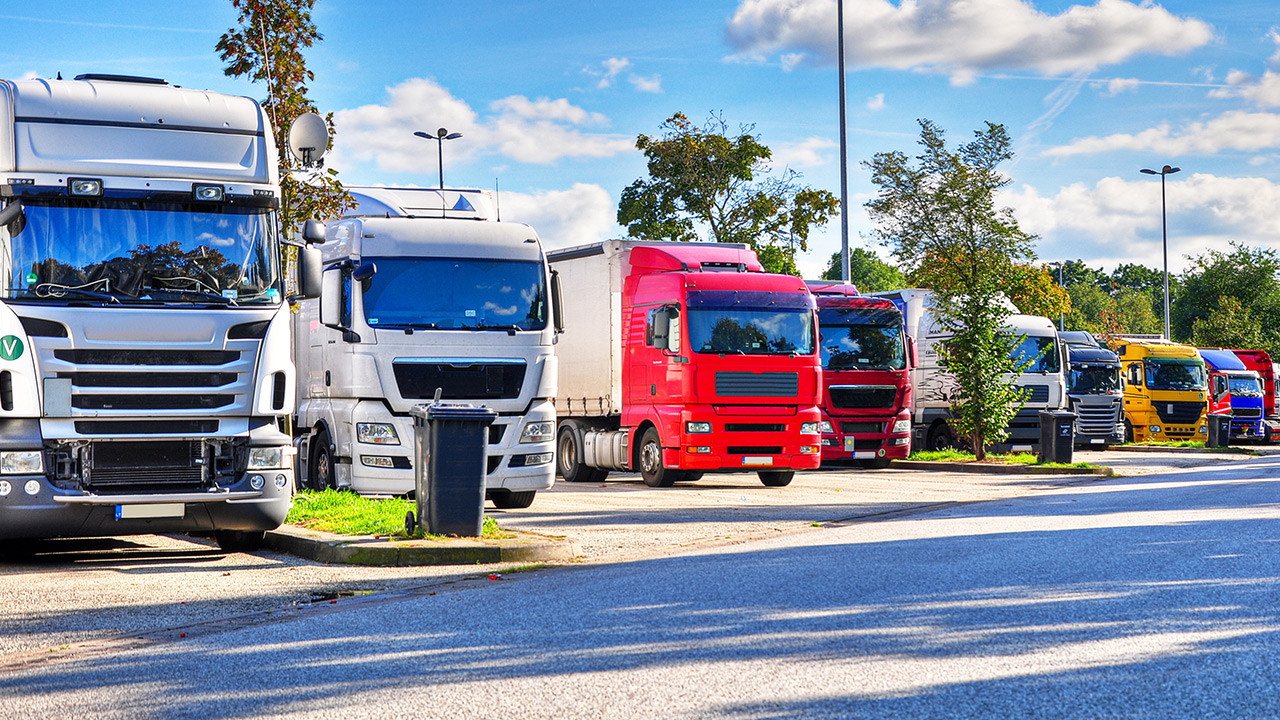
(453, 411)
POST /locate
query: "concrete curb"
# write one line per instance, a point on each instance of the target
(348, 550)
(997, 468)
(1232, 450)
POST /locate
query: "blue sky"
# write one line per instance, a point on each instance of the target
(550, 96)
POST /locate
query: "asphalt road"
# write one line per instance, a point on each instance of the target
(1147, 596)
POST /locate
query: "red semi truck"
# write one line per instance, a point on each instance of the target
(683, 358)
(866, 376)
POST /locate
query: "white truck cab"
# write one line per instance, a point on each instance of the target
(425, 296)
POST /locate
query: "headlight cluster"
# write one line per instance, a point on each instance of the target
(697, 427)
(826, 427)
(262, 458)
(541, 431)
(377, 434)
(901, 426)
(21, 462)
(809, 428)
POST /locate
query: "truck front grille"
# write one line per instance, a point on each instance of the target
(1096, 419)
(1241, 413)
(755, 427)
(1036, 393)
(861, 427)
(762, 384)
(863, 396)
(459, 381)
(1179, 413)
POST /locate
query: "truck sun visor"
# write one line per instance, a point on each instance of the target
(750, 298)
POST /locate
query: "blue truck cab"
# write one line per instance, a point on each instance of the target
(1227, 374)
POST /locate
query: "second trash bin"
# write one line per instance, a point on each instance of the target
(1219, 430)
(1057, 435)
(451, 444)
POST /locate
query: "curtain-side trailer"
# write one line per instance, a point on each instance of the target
(684, 358)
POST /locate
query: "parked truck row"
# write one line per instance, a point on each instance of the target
(154, 379)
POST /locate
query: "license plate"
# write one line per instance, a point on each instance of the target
(159, 510)
(757, 460)
(864, 455)
(1097, 441)
(1020, 448)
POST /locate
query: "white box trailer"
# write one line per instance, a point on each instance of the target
(425, 293)
(1044, 382)
(146, 373)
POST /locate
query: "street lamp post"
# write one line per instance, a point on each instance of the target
(1063, 285)
(1164, 237)
(440, 136)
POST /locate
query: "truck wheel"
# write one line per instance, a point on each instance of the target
(940, 437)
(875, 463)
(688, 475)
(320, 469)
(651, 469)
(511, 500)
(776, 478)
(239, 540)
(569, 457)
(1128, 431)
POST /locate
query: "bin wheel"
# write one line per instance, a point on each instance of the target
(410, 524)
(240, 540)
(875, 463)
(320, 469)
(776, 478)
(569, 457)
(511, 500)
(651, 469)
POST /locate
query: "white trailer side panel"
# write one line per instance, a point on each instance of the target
(590, 349)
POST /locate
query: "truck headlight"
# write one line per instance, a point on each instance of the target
(697, 427)
(809, 428)
(1154, 428)
(261, 458)
(377, 434)
(826, 428)
(541, 431)
(22, 462)
(901, 426)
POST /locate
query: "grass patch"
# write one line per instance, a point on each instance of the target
(953, 455)
(346, 513)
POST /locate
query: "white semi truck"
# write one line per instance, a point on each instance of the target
(426, 295)
(145, 368)
(1044, 381)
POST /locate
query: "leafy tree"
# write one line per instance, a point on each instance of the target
(940, 219)
(1035, 291)
(1250, 276)
(866, 271)
(267, 47)
(1088, 303)
(1130, 313)
(1229, 326)
(700, 179)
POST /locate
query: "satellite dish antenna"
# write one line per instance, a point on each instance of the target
(308, 138)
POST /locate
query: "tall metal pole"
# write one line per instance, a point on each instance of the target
(1164, 241)
(844, 152)
(1063, 285)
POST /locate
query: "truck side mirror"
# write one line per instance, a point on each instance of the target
(557, 304)
(364, 273)
(673, 329)
(1135, 374)
(13, 217)
(310, 272)
(660, 328)
(331, 298)
(313, 232)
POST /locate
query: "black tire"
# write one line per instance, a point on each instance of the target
(240, 540)
(320, 468)
(875, 463)
(650, 461)
(940, 437)
(1128, 431)
(776, 478)
(569, 457)
(511, 499)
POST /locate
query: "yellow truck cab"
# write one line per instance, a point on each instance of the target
(1165, 387)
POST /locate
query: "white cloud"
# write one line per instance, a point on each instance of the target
(807, 153)
(1115, 86)
(539, 131)
(876, 103)
(962, 38)
(1235, 130)
(611, 68)
(563, 218)
(1118, 221)
(1263, 92)
(646, 84)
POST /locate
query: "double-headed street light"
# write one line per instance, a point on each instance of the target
(1164, 238)
(440, 136)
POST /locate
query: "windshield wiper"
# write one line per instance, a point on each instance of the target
(407, 326)
(52, 290)
(200, 294)
(511, 329)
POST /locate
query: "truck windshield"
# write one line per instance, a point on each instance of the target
(750, 323)
(1093, 381)
(141, 251)
(1245, 386)
(861, 339)
(1174, 374)
(1041, 352)
(456, 294)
